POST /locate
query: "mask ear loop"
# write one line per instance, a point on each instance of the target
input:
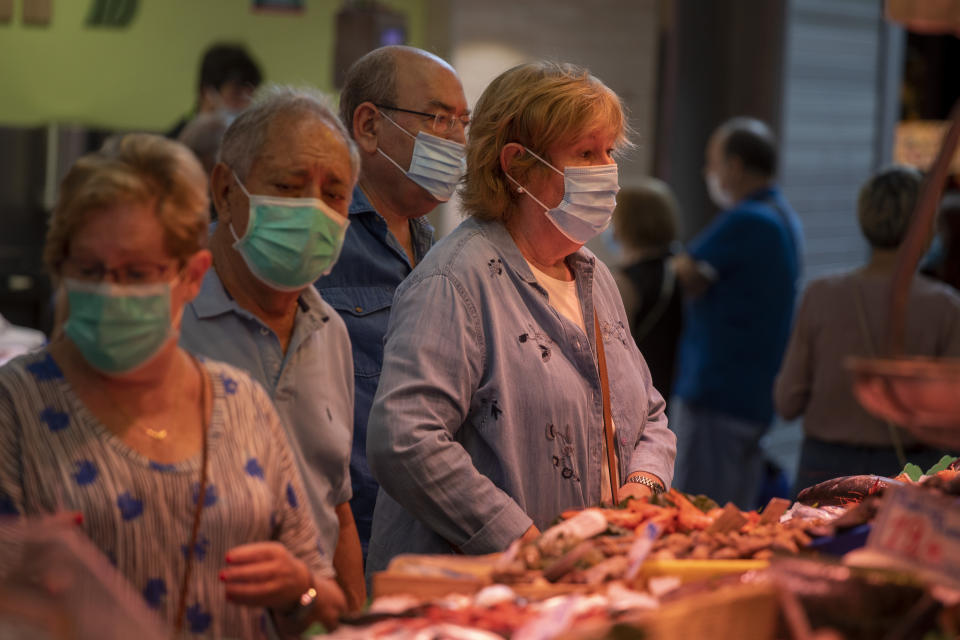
(233, 231)
(384, 153)
(522, 189)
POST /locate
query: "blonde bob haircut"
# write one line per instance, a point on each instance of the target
(538, 105)
(137, 168)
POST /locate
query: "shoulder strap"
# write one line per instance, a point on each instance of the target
(871, 352)
(607, 419)
(653, 316)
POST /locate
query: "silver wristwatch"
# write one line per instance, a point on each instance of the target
(654, 486)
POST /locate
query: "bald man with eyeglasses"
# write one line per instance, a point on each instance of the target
(406, 111)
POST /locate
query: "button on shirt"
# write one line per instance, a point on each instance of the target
(489, 413)
(311, 385)
(360, 287)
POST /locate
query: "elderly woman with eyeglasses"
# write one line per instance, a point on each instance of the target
(179, 468)
(509, 367)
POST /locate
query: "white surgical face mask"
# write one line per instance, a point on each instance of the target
(720, 196)
(437, 164)
(589, 198)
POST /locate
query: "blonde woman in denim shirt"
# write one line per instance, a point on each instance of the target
(488, 421)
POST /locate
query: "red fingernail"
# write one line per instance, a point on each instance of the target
(226, 558)
(78, 519)
(222, 577)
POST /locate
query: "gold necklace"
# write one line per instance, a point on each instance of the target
(155, 434)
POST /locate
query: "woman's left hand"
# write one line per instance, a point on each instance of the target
(634, 490)
(265, 574)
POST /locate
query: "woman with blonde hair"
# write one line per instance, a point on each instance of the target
(178, 468)
(511, 388)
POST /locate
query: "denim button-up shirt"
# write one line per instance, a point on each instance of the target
(489, 414)
(360, 287)
(311, 384)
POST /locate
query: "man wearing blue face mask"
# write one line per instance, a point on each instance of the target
(281, 188)
(740, 277)
(406, 111)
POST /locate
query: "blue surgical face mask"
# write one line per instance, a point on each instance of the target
(437, 164)
(589, 198)
(290, 242)
(118, 328)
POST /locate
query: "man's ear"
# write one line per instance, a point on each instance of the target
(222, 184)
(366, 127)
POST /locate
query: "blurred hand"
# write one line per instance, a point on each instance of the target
(330, 603)
(530, 534)
(635, 490)
(931, 413)
(265, 574)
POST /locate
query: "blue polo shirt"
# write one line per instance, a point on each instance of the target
(360, 287)
(735, 334)
(311, 384)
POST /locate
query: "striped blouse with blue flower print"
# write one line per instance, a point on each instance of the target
(55, 456)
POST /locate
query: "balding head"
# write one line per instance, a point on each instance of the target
(752, 142)
(383, 77)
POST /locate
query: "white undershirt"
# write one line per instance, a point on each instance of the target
(563, 298)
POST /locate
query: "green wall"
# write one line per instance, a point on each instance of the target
(143, 76)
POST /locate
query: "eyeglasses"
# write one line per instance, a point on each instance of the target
(132, 273)
(442, 123)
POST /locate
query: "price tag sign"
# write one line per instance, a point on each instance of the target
(919, 528)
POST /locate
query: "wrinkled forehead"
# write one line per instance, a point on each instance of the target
(298, 138)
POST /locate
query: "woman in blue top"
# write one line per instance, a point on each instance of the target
(489, 419)
(180, 468)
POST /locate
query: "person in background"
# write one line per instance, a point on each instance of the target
(177, 469)
(740, 275)
(202, 135)
(846, 315)
(406, 111)
(492, 415)
(228, 77)
(281, 189)
(645, 225)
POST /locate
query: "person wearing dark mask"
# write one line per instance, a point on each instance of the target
(228, 77)
(177, 468)
(406, 111)
(511, 389)
(281, 188)
(740, 275)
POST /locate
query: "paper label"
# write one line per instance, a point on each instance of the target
(919, 527)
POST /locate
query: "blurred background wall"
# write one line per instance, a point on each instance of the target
(143, 76)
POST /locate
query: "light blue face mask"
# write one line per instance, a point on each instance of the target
(437, 164)
(589, 198)
(118, 328)
(290, 242)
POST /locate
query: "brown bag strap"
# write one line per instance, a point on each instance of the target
(607, 417)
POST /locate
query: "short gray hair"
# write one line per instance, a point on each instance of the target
(885, 205)
(372, 78)
(245, 137)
